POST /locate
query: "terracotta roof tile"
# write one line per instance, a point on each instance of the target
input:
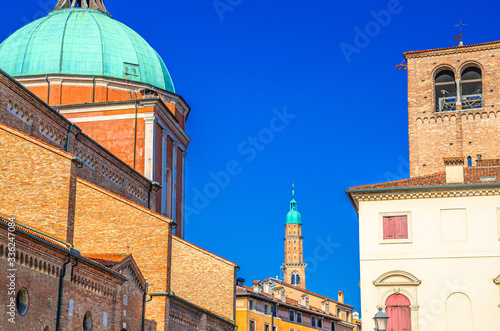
(39, 234)
(290, 301)
(107, 260)
(472, 175)
(465, 47)
(309, 292)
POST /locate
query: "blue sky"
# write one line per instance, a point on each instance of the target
(287, 92)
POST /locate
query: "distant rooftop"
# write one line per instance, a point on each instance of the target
(486, 172)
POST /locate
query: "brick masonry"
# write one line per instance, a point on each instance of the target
(461, 133)
(26, 113)
(42, 186)
(203, 278)
(37, 175)
(39, 265)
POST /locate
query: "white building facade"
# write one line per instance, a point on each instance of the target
(430, 250)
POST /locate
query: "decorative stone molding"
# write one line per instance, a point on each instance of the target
(397, 278)
(414, 307)
(444, 193)
(497, 280)
(452, 116)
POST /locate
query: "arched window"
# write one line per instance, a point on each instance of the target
(472, 88)
(445, 90)
(295, 278)
(469, 161)
(22, 301)
(398, 310)
(87, 321)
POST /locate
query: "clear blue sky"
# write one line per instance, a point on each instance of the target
(236, 64)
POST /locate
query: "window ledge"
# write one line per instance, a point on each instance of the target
(396, 241)
(456, 111)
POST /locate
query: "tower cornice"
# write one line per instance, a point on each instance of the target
(286, 237)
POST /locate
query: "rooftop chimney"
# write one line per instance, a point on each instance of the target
(256, 286)
(325, 305)
(454, 170)
(279, 294)
(341, 296)
(240, 281)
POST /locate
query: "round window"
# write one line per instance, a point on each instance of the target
(87, 321)
(22, 301)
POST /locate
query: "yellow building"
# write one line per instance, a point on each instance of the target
(273, 302)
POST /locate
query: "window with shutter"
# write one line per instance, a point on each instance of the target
(395, 227)
(402, 227)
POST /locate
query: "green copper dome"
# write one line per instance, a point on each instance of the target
(293, 216)
(83, 41)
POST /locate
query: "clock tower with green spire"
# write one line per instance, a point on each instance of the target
(294, 267)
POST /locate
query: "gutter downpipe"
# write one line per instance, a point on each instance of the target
(48, 88)
(153, 183)
(135, 132)
(72, 253)
(93, 89)
(149, 195)
(67, 138)
(59, 296)
(144, 305)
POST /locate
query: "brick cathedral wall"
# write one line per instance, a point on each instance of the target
(107, 223)
(201, 278)
(21, 110)
(35, 184)
(434, 135)
(38, 267)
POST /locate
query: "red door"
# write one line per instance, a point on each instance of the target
(398, 310)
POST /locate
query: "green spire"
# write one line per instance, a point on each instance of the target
(293, 216)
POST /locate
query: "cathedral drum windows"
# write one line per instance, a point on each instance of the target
(464, 91)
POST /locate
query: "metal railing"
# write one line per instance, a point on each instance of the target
(472, 101)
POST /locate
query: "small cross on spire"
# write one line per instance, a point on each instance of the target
(459, 37)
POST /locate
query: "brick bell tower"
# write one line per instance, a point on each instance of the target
(453, 105)
(294, 267)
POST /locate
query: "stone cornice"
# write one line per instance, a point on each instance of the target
(71, 80)
(452, 50)
(425, 193)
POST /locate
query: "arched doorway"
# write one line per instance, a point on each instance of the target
(398, 310)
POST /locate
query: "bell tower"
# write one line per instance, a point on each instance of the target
(294, 267)
(453, 106)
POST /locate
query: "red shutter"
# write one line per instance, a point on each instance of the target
(386, 228)
(389, 228)
(398, 310)
(402, 227)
